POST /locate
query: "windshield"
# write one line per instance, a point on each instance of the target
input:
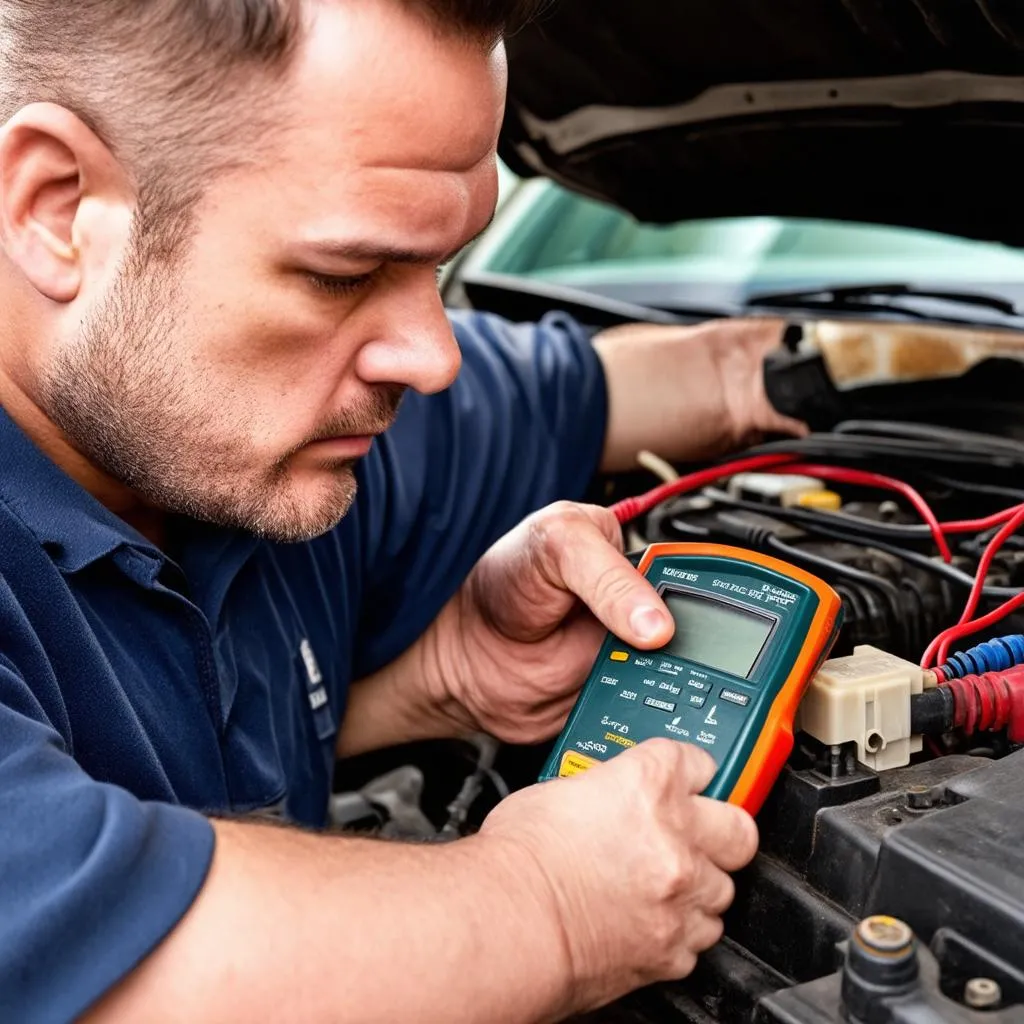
(550, 234)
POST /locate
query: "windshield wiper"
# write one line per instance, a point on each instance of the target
(861, 298)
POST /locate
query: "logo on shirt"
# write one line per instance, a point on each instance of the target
(317, 691)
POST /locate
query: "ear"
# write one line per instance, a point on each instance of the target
(52, 168)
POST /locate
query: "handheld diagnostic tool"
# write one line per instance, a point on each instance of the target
(751, 631)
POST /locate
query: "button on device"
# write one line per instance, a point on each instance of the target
(735, 698)
(662, 705)
(619, 656)
(573, 763)
(697, 700)
(698, 684)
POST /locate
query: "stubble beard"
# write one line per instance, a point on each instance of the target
(123, 399)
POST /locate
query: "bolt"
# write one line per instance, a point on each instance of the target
(982, 993)
(884, 934)
(919, 797)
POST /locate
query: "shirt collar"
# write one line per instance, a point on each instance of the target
(74, 527)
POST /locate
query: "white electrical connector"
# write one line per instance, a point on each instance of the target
(785, 489)
(864, 699)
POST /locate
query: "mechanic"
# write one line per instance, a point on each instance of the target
(221, 225)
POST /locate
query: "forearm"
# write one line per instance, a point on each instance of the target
(687, 393)
(401, 703)
(291, 926)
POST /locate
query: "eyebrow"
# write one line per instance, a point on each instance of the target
(372, 252)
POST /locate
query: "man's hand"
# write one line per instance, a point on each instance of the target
(512, 649)
(688, 393)
(634, 863)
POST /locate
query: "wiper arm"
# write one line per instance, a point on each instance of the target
(859, 297)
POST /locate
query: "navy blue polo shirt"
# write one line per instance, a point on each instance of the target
(139, 693)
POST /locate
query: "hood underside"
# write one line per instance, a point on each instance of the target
(902, 112)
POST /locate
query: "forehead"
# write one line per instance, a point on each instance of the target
(387, 117)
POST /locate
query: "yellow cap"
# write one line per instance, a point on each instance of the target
(824, 501)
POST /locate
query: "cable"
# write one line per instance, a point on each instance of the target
(939, 647)
(862, 478)
(819, 523)
(848, 572)
(629, 508)
(946, 436)
(954, 633)
(915, 452)
(1011, 527)
(978, 525)
(992, 656)
(949, 572)
(974, 488)
(658, 466)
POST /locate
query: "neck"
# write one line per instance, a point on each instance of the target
(53, 442)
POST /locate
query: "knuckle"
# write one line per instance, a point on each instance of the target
(663, 932)
(613, 585)
(723, 896)
(655, 768)
(684, 963)
(678, 875)
(713, 933)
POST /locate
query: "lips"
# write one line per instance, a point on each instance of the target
(349, 446)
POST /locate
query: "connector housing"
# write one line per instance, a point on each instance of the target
(864, 699)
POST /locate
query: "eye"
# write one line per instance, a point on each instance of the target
(338, 285)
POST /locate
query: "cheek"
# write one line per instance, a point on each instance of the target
(268, 373)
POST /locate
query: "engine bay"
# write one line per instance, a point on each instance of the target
(901, 810)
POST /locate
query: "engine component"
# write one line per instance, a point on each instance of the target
(992, 656)
(786, 489)
(864, 699)
(974, 703)
(881, 965)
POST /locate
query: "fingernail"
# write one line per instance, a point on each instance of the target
(647, 623)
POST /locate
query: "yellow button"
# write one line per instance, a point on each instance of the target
(619, 656)
(573, 764)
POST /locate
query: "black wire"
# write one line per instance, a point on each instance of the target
(869, 527)
(950, 572)
(852, 447)
(822, 523)
(969, 487)
(848, 572)
(967, 439)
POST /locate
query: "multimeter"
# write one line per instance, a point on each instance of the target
(751, 632)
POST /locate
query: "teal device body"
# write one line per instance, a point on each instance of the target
(749, 630)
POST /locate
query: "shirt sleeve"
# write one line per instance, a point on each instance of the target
(522, 426)
(93, 878)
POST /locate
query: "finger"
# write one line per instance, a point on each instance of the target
(705, 932)
(715, 889)
(702, 931)
(725, 833)
(577, 555)
(686, 766)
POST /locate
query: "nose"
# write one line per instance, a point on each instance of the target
(413, 343)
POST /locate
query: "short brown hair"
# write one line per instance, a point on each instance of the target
(154, 78)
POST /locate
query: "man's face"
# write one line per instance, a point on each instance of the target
(241, 383)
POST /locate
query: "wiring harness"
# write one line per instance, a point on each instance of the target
(977, 689)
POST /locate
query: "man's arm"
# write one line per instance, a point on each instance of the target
(300, 927)
(687, 393)
(400, 703)
(572, 894)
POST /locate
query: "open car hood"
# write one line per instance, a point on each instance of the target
(903, 112)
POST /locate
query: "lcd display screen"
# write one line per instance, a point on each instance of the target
(721, 636)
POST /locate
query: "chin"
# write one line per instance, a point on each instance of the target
(304, 513)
